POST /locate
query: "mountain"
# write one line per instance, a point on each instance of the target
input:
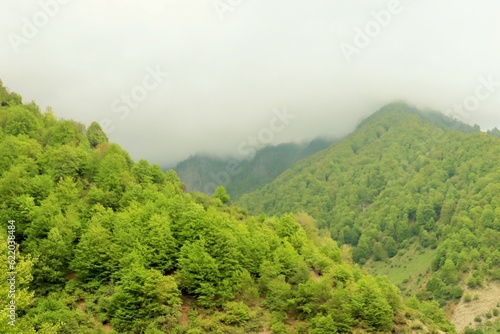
(98, 243)
(404, 182)
(204, 173)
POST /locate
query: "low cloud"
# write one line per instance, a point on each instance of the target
(229, 72)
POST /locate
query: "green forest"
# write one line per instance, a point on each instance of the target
(108, 245)
(404, 179)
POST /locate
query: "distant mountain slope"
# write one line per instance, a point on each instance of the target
(204, 173)
(404, 177)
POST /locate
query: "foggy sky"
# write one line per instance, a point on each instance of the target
(233, 64)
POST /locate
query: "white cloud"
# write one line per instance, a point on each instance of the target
(227, 76)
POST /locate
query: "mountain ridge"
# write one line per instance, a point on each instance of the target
(404, 178)
(203, 172)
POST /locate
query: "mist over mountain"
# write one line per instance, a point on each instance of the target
(205, 173)
(168, 79)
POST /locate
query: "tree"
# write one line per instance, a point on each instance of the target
(372, 307)
(494, 132)
(18, 150)
(278, 294)
(21, 122)
(161, 246)
(311, 296)
(286, 226)
(221, 194)
(54, 254)
(144, 297)
(65, 161)
(24, 298)
(198, 271)
(323, 325)
(65, 132)
(112, 173)
(379, 253)
(362, 251)
(391, 247)
(449, 273)
(140, 171)
(95, 256)
(95, 135)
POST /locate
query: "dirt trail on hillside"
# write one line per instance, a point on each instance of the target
(466, 312)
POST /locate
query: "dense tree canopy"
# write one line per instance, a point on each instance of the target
(403, 177)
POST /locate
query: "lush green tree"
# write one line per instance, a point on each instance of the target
(287, 226)
(112, 173)
(449, 272)
(278, 294)
(161, 247)
(312, 296)
(18, 290)
(65, 161)
(198, 271)
(362, 252)
(371, 306)
(65, 132)
(21, 121)
(391, 247)
(221, 194)
(95, 135)
(143, 297)
(379, 253)
(95, 256)
(323, 325)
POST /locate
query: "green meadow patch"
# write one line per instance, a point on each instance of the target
(407, 270)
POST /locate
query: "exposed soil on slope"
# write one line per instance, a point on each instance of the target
(465, 313)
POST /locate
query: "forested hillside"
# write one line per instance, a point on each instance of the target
(109, 245)
(204, 173)
(404, 180)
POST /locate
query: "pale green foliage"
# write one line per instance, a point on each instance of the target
(95, 135)
(95, 258)
(221, 194)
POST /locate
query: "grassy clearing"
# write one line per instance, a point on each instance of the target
(408, 270)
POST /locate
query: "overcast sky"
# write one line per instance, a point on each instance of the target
(233, 65)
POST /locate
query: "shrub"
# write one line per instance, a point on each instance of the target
(417, 325)
(236, 313)
(469, 330)
(496, 312)
(478, 319)
(467, 297)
